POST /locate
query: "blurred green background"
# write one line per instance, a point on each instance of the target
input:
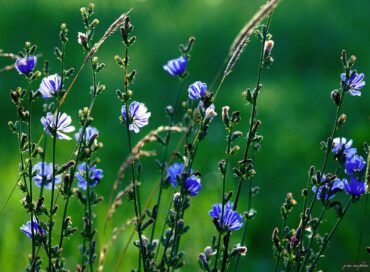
(294, 106)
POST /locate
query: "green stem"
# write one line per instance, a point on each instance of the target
(303, 218)
(88, 197)
(30, 167)
(226, 251)
(223, 193)
(252, 122)
(163, 229)
(324, 209)
(363, 229)
(77, 147)
(138, 216)
(164, 159)
(254, 105)
(330, 236)
(52, 189)
(328, 148)
(73, 170)
(280, 253)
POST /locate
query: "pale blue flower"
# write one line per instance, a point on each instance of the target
(50, 86)
(63, 126)
(44, 173)
(355, 83)
(138, 115)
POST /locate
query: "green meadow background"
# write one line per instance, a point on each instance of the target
(294, 106)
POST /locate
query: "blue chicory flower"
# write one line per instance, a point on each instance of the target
(192, 185)
(342, 146)
(354, 165)
(50, 86)
(197, 90)
(355, 187)
(138, 115)
(355, 83)
(329, 189)
(26, 65)
(176, 67)
(27, 228)
(173, 171)
(44, 172)
(94, 177)
(89, 133)
(63, 126)
(231, 221)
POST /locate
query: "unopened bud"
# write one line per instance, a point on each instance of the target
(203, 260)
(176, 199)
(83, 40)
(239, 250)
(335, 96)
(236, 135)
(208, 252)
(235, 117)
(268, 46)
(342, 119)
(234, 150)
(95, 22)
(352, 59)
(225, 115)
(275, 238)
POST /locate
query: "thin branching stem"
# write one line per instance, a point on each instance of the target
(52, 189)
(30, 167)
(164, 159)
(252, 122)
(89, 229)
(280, 253)
(328, 148)
(223, 193)
(326, 241)
(135, 200)
(363, 228)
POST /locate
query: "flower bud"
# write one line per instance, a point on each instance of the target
(210, 113)
(268, 47)
(352, 60)
(236, 135)
(203, 260)
(176, 199)
(94, 23)
(225, 116)
(342, 119)
(83, 10)
(235, 117)
(169, 110)
(344, 57)
(208, 252)
(239, 250)
(335, 96)
(275, 238)
(83, 40)
(234, 150)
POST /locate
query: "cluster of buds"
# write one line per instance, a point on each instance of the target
(288, 205)
(267, 58)
(85, 37)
